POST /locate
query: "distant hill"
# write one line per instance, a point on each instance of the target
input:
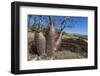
(70, 35)
(84, 37)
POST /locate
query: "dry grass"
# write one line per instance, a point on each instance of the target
(30, 36)
(68, 55)
(64, 54)
(58, 55)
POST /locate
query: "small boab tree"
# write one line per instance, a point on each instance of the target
(29, 19)
(59, 38)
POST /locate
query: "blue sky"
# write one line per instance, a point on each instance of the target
(79, 24)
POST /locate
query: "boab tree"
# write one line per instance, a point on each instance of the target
(50, 38)
(40, 41)
(59, 38)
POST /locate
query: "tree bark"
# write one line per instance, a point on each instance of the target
(40, 40)
(58, 42)
(50, 39)
(40, 43)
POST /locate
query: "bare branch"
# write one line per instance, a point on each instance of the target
(34, 19)
(50, 20)
(29, 20)
(40, 19)
(62, 23)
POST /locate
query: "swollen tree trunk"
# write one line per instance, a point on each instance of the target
(40, 41)
(58, 42)
(50, 39)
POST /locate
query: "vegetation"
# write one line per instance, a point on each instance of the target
(45, 43)
(66, 51)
